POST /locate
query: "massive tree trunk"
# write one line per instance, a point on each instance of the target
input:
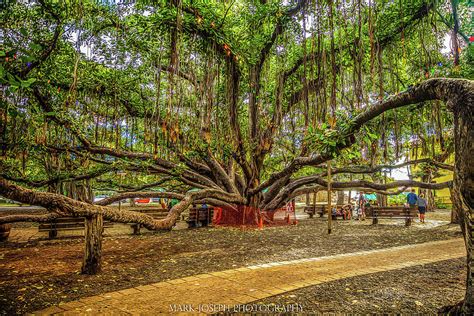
(340, 197)
(93, 244)
(463, 184)
(456, 205)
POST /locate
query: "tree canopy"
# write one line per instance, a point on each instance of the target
(228, 96)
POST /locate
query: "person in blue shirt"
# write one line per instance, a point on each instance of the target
(412, 198)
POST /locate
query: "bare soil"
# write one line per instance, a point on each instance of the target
(36, 275)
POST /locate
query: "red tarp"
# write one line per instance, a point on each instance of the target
(251, 216)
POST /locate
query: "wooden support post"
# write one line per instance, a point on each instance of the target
(375, 220)
(329, 199)
(93, 244)
(408, 219)
(53, 233)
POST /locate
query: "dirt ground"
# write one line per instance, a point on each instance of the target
(37, 275)
(421, 290)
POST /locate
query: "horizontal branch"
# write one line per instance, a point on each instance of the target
(374, 169)
(77, 208)
(61, 177)
(28, 218)
(391, 185)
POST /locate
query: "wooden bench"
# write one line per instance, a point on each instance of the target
(155, 212)
(65, 224)
(315, 209)
(201, 216)
(322, 209)
(392, 212)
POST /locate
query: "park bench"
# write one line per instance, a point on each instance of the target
(155, 212)
(391, 212)
(314, 209)
(322, 209)
(200, 215)
(65, 224)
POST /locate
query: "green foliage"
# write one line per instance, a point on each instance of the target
(110, 76)
(399, 199)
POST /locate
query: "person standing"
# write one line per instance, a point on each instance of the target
(421, 202)
(412, 198)
(361, 206)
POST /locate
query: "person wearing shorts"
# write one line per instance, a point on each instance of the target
(421, 202)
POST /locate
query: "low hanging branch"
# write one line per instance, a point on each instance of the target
(300, 186)
(29, 218)
(76, 208)
(390, 185)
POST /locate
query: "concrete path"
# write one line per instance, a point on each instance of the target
(219, 291)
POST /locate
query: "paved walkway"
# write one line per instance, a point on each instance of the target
(201, 293)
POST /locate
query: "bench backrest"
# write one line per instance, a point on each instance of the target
(200, 213)
(67, 223)
(324, 207)
(392, 211)
(318, 207)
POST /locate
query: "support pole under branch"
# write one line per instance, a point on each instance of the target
(329, 199)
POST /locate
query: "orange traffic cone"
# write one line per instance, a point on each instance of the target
(260, 223)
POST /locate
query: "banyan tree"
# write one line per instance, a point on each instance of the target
(250, 102)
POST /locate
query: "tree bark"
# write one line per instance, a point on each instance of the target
(456, 206)
(93, 245)
(454, 35)
(464, 184)
(340, 198)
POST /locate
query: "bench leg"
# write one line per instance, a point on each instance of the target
(375, 220)
(321, 214)
(53, 234)
(136, 229)
(408, 221)
(5, 231)
(311, 215)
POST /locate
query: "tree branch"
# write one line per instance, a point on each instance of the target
(76, 208)
(52, 45)
(28, 218)
(453, 91)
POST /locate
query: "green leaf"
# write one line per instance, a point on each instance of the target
(35, 46)
(27, 83)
